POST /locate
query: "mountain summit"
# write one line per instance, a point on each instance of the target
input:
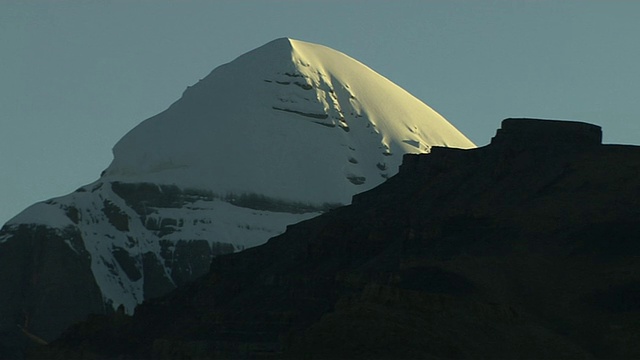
(312, 124)
(276, 136)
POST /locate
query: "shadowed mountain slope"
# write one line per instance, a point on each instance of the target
(525, 248)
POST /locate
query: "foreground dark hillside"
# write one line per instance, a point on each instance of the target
(526, 248)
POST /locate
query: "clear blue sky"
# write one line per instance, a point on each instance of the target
(75, 76)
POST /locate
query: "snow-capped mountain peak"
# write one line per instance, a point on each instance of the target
(297, 116)
(277, 136)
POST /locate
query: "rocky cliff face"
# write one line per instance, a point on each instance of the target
(53, 270)
(520, 249)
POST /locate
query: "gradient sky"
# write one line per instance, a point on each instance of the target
(75, 76)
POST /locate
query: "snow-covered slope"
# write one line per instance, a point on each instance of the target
(312, 124)
(277, 136)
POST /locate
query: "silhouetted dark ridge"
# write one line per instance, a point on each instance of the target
(530, 132)
(437, 160)
(538, 137)
(526, 248)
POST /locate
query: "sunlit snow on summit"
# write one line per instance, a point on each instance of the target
(290, 114)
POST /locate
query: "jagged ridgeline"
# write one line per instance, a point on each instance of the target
(523, 249)
(277, 136)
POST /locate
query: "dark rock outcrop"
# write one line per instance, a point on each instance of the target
(47, 288)
(548, 133)
(526, 248)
